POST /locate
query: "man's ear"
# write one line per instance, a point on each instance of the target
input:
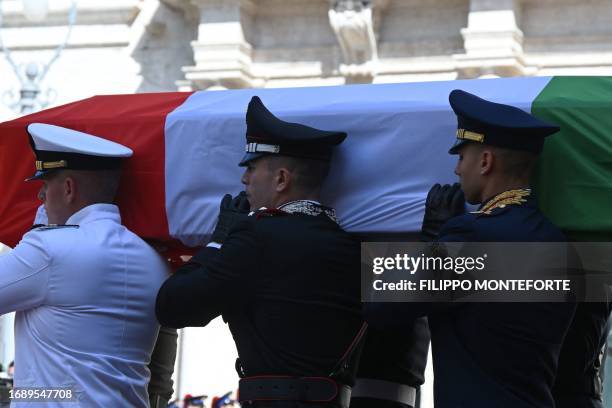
(487, 159)
(283, 179)
(70, 187)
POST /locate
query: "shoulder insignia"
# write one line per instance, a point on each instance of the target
(53, 226)
(503, 200)
(270, 212)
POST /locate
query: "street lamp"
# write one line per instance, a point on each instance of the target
(31, 74)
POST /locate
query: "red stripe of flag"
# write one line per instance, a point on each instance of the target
(136, 121)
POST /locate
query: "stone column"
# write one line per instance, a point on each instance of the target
(493, 41)
(222, 52)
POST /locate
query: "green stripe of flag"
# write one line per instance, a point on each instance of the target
(574, 178)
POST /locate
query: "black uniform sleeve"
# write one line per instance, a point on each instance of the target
(393, 315)
(213, 280)
(398, 356)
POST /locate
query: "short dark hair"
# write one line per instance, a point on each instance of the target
(516, 163)
(97, 186)
(308, 174)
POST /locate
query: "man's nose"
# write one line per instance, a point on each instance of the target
(41, 194)
(244, 179)
(457, 169)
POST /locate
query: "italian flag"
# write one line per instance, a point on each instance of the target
(187, 146)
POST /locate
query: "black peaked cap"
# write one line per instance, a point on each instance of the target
(267, 134)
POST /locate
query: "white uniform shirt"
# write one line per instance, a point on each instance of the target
(85, 303)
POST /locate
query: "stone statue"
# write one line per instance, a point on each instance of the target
(353, 24)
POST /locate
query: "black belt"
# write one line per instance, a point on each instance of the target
(311, 390)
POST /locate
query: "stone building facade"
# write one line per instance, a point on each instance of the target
(273, 43)
(128, 46)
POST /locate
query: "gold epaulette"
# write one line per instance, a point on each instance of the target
(510, 197)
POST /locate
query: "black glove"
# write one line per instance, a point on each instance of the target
(162, 367)
(442, 204)
(230, 211)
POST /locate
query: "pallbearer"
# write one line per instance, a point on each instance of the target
(295, 314)
(83, 286)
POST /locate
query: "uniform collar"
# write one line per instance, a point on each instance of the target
(95, 212)
(288, 203)
(308, 207)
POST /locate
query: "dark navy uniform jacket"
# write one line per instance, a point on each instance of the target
(491, 354)
(287, 285)
(578, 382)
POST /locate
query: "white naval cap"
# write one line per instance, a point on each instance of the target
(57, 147)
